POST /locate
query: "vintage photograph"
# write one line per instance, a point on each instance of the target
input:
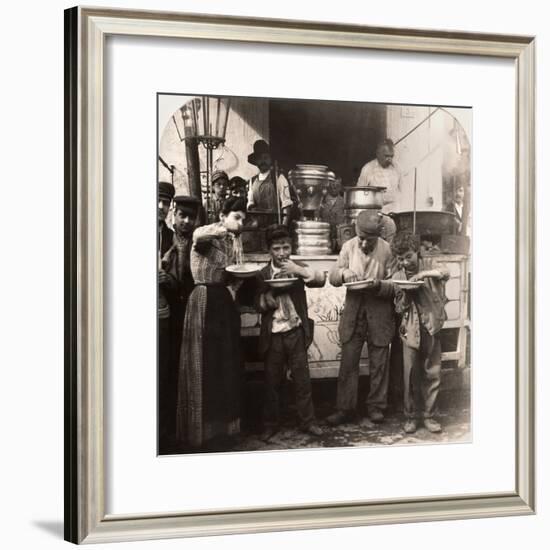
(314, 274)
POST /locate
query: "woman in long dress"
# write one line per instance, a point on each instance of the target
(209, 386)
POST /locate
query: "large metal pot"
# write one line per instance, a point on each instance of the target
(363, 196)
(311, 182)
(429, 223)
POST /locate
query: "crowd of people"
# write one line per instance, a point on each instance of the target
(200, 366)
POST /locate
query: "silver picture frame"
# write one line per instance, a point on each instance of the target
(85, 518)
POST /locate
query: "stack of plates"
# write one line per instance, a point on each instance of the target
(313, 238)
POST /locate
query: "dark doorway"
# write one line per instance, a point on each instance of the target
(340, 134)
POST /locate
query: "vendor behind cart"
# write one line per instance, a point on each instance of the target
(263, 193)
(382, 172)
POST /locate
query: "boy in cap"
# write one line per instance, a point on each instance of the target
(286, 332)
(220, 186)
(423, 315)
(238, 187)
(179, 285)
(367, 316)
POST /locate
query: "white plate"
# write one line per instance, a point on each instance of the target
(243, 270)
(409, 285)
(359, 285)
(281, 283)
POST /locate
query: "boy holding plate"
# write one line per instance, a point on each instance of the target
(423, 313)
(286, 331)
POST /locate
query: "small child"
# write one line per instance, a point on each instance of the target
(423, 315)
(286, 332)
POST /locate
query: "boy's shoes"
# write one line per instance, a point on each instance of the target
(313, 429)
(432, 425)
(410, 426)
(339, 417)
(376, 416)
(268, 433)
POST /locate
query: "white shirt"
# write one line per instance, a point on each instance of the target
(374, 174)
(285, 317)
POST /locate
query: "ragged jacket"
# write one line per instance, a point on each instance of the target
(378, 304)
(422, 307)
(298, 296)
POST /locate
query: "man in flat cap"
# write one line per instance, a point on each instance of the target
(263, 192)
(220, 187)
(176, 265)
(367, 316)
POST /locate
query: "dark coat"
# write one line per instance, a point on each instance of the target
(165, 239)
(451, 207)
(298, 296)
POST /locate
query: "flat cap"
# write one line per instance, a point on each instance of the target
(166, 190)
(219, 174)
(368, 223)
(187, 203)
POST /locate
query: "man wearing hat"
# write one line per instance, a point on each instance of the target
(220, 186)
(176, 264)
(367, 316)
(263, 194)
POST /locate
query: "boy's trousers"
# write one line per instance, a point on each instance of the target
(422, 375)
(287, 349)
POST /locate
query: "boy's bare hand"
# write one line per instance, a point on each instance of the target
(349, 276)
(292, 268)
(418, 276)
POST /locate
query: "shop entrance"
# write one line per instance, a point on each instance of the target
(340, 134)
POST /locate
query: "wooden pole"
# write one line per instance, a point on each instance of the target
(414, 203)
(277, 193)
(193, 167)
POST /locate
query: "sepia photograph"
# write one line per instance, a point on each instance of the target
(314, 273)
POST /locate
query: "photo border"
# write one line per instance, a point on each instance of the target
(85, 32)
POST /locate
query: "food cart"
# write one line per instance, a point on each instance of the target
(326, 304)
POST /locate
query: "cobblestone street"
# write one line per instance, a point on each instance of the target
(454, 416)
(455, 428)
